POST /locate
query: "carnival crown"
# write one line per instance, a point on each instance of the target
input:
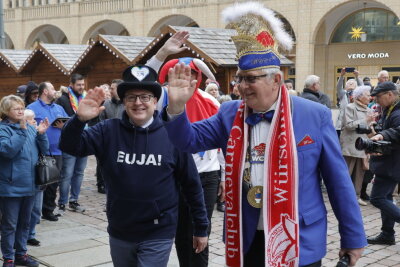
(260, 35)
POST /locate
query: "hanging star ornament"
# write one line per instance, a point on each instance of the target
(356, 33)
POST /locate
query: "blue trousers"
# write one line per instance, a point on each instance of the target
(72, 177)
(14, 227)
(36, 213)
(381, 197)
(148, 253)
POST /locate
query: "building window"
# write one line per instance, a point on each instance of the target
(378, 24)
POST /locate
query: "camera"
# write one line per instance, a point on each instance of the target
(378, 128)
(382, 147)
(364, 129)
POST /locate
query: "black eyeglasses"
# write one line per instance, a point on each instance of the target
(249, 79)
(142, 98)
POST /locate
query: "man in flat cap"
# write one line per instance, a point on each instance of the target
(21, 91)
(276, 149)
(386, 167)
(143, 171)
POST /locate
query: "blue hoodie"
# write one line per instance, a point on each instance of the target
(143, 173)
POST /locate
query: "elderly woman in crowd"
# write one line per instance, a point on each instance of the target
(345, 96)
(357, 114)
(20, 144)
(213, 89)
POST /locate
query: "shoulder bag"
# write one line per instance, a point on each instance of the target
(46, 170)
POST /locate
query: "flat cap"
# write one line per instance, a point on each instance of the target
(21, 89)
(384, 87)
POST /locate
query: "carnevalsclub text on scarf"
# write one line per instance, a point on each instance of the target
(232, 208)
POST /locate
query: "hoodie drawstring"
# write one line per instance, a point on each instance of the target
(147, 140)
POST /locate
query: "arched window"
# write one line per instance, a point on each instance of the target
(377, 24)
(287, 26)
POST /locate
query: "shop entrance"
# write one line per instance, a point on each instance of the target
(371, 72)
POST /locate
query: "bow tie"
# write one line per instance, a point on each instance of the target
(255, 118)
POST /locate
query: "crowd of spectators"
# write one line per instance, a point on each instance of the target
(29, 126)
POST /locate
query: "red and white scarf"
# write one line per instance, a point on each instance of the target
(280, 201)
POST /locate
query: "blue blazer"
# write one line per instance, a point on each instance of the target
(323, 158)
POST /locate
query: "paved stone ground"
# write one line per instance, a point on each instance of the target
(81, 239)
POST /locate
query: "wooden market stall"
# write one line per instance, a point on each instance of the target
(11, 62)
(108, 56)
(52, 62)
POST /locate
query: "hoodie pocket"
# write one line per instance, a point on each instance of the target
(125, 212)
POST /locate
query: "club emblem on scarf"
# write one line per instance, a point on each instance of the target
(140, 72)
(258, 153)
(282, 243)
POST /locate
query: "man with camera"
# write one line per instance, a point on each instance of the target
(385, 166)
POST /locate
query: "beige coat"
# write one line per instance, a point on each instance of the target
(354, 115)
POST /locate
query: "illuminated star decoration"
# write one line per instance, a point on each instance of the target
(356, 33)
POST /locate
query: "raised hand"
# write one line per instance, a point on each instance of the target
(90, 107)
(173, 45)
(43, 126)
(180, 88)
(22, 124)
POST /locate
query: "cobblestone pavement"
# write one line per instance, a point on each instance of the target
(94, 217)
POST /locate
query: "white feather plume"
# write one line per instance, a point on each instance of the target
(238, 10)
(204, 68)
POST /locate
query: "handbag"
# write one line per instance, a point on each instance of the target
(47, 171)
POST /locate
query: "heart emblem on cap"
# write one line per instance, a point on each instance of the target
(140, 72)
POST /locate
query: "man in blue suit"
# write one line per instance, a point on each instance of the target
(276, 147)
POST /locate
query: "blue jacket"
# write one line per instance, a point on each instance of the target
(143, 172)
(51, 112)
(19, 152)
(321, 158)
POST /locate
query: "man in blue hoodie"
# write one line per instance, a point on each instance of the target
(143, 171)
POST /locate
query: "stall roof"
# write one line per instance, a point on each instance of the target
(212, 44)
(63, 56)
(127, 47)
(123, 47)
(14, 58)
